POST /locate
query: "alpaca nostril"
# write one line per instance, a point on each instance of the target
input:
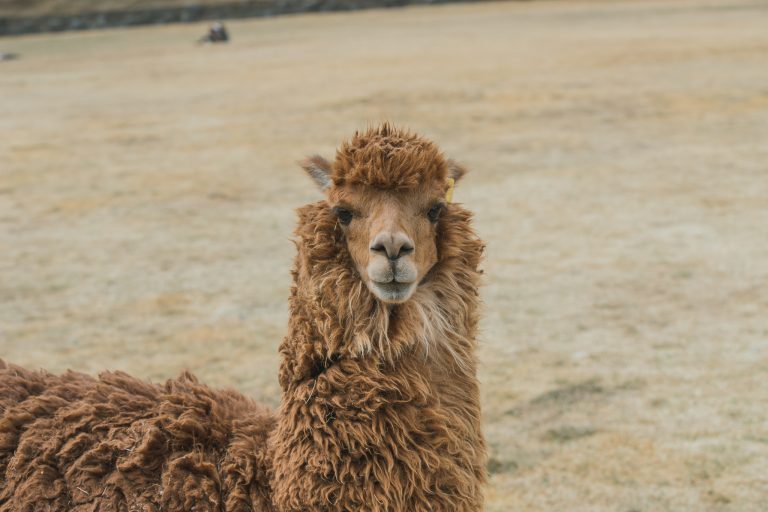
(379, 248)
(407, 248)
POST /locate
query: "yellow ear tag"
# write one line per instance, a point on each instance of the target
(449, 193)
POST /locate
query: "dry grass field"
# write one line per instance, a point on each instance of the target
(619, 156)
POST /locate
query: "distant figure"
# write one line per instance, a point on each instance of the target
(217, 33)
(8, 56)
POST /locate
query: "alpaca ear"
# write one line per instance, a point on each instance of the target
(319, 169)
(455, 170)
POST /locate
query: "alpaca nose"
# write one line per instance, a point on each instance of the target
(391, 245)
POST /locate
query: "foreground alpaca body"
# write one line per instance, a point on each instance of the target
(76, 443)
(380, 403)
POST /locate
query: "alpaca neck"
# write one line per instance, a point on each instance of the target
(380, 404)
(337, 318)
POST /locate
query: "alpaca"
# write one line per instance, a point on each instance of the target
(380, 401)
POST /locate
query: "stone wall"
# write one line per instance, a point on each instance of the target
(186, 14)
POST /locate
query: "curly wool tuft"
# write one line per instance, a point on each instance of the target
(385, 157)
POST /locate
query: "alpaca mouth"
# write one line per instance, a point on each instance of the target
(393, 291)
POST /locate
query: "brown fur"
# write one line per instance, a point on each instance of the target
(76, 443)
(388, 158)
(380, 404)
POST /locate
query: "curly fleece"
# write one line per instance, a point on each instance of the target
(76, 443)
(386, 157)
(380, 405)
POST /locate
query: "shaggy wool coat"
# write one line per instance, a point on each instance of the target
(75, 443)
(380, 406)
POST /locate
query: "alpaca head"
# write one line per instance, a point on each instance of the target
(387, 188)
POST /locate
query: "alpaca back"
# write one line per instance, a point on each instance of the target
(72, 442)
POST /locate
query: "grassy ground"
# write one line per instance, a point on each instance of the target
(619, 174)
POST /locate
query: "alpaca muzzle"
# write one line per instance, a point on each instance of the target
(392, 280)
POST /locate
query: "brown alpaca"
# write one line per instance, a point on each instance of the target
(380, 404)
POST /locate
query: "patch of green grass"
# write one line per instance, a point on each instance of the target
(568, 433)
(496, 465)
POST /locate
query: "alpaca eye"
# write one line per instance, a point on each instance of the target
(344, 215)
(434, 213)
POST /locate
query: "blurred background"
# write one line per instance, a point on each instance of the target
(619, 174)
